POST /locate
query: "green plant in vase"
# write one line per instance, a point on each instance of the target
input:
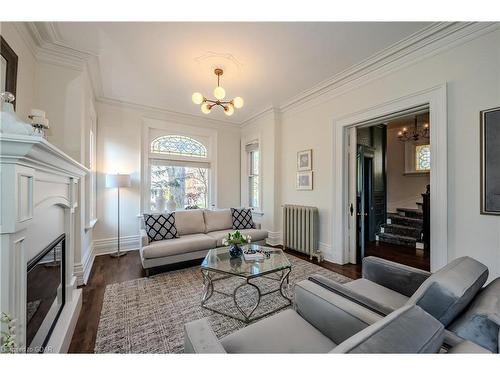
(7, 338)
(234, 241)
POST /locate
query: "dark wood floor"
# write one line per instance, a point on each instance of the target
(107, 270)
(400, 254)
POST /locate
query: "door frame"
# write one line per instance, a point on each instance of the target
(435, 98)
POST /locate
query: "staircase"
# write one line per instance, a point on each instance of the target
(403, 227)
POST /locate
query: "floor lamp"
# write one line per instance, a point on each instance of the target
(118, 181)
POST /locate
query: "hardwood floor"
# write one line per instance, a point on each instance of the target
(400, 254)
(107, 270)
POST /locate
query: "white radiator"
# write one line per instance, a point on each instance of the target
(301, 229)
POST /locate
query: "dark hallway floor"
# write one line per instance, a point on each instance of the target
(401, 254)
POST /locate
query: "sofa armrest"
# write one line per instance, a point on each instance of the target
(200, 338)
(350, 294)
(144, 238)
(336, 317)
(398, 277)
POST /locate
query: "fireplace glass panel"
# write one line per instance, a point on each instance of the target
(45, 295)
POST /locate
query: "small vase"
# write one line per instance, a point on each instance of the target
(171, 205)
(160, 204)
(235, 251)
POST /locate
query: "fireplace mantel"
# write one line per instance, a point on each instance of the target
(39, 185)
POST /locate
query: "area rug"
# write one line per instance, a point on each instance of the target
(147, 315)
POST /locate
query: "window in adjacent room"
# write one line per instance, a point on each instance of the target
(253, 155)
(422, 158)
(179, 169)
(91, 199)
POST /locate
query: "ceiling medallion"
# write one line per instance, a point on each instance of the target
(416, 134)
(219, 93)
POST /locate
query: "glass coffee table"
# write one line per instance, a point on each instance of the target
(218, 265)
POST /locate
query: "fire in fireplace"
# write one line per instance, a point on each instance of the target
(45, 294)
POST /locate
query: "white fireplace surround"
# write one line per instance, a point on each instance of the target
(39, 199)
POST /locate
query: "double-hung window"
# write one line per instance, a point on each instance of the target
(179, 169)
(253, 163)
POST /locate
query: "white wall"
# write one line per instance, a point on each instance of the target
(26, 67)
(119, 150)
(473, 83)
(403, 191)
(265, 129)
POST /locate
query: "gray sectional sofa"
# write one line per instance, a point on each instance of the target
(392, 309)
(198, 231)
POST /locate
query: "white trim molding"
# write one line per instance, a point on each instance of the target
(46, 43)
(109, 245)
(435, 98)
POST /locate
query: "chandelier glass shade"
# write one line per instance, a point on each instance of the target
(415, 134)
(219, 93)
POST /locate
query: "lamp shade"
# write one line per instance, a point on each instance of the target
(117, 180)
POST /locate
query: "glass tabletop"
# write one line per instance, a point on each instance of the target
(220, 260)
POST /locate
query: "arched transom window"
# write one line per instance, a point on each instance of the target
(178, 145)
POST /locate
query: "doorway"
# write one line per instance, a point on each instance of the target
(392, 178)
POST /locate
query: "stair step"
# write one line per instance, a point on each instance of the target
(402, 230)
(410, 212)
(397, 239)
(406, 221)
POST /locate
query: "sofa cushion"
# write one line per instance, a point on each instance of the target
(160, 226)
(387, 298)
(407, 330)
(185, 244)
(480, 323)
(242, 218)
(449, 290)
(217, 220)
(256, 234)
(189, 222)
(285, 332)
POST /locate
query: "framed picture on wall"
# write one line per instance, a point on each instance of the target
(490, 161)
(304, 160)
(305, 180)
(8, 69)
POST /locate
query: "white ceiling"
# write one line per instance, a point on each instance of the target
(162, 64)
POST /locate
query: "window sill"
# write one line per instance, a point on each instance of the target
(91, 224)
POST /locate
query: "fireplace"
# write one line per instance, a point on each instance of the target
(45, 294)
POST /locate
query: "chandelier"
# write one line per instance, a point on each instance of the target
(219, 93)
(405, 135)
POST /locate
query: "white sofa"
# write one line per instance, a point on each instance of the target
(198, 231)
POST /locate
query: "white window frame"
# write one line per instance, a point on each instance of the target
(249, 149)
(91, 178)
(253, 138)
(152, 129)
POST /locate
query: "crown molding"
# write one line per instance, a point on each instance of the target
(182, 117)
(46, 44)
(424, 43)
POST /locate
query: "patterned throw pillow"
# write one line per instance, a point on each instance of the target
(242, 218)
(160, 226)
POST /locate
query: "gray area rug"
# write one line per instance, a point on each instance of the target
(148, 315)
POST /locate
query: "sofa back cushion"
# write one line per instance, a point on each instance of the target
(447, 292)
(160, 227)
(218, 220)
(190, 222)
(481, 321)
(406, 330)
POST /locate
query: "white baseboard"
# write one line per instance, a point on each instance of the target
(274, 239)
(101, 247)
(109, 245)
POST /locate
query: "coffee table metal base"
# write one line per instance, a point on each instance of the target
(209, 290)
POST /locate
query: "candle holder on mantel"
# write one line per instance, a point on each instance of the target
(39, 123)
